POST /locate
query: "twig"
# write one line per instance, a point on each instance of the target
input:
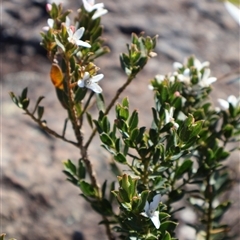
(119, 91)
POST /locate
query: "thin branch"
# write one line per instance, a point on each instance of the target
(48, 130)
(119, 91)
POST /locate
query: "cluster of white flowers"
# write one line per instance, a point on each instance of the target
(204, 79)
(75, 36)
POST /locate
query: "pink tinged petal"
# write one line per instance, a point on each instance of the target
(155, 219)
(82, 43)
(97, 78)
(48, 7)
(81, 83)
(223, 103)
(99, 13)
(78, 34)
(155, 202)
(95, 87)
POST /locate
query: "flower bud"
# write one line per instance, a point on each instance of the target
(48, 7)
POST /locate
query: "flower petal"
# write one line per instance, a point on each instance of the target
(233, 100)
(95, 87)
(97, 6)
(146, 207)
(177, 65)
(78, 34)
(97, 78)
(83, 44)
(233, 10)
(155, 202)
(86, 76)
(155, 219)
(87, 5)
(211, 80)
(50, 22)
(67, 22)
(81, 83)
(99, 13)
(223, 103)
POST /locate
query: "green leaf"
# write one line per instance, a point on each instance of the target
(105, 138)
(37, 103)
(89, 119)
(25, 103)
(125, 102)
(105, 124)
(24, 93)
(70, 167)
(40, 112)
(80, 94)
(100, 102)
(81, 169)
(87, 189)
(119, 157)
(104, 185)
(220, 210)
(104, 207)
(196, 128)
(167, 236)
(14, 98)
(185, 167)
(168, 225)
(2, 236)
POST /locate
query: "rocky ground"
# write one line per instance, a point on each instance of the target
(36, 201)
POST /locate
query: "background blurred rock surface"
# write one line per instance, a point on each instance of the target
(37, 202)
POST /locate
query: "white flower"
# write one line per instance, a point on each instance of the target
(91, 82)
(169, 117)
(198, 65)
(233, 10)
(75, 37)
(231, 99)
(50, 23)
(177, 65)
(206, 81)
(185, 76)
(90, 6)
(150, 211)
